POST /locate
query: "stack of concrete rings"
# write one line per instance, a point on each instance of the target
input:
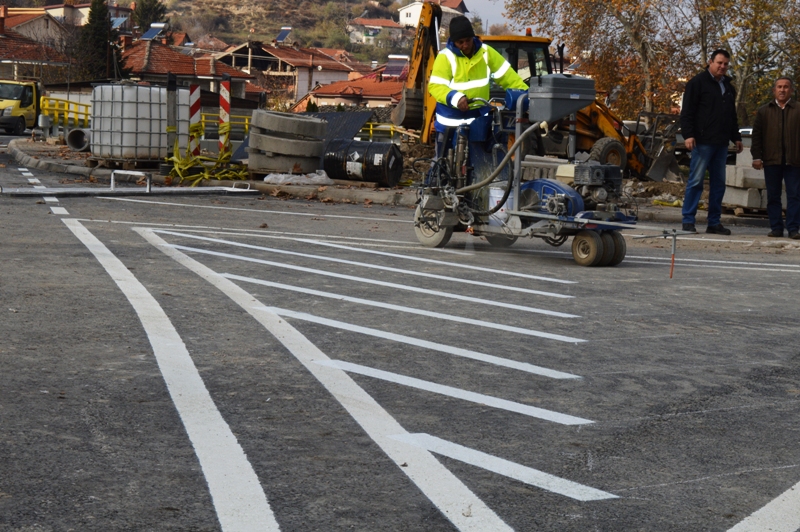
(285, 143)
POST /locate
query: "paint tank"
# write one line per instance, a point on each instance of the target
(129, 122)
(356, 160)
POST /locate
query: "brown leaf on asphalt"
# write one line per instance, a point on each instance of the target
(263, 226)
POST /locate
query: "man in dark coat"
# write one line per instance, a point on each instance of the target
(776, 149)
(708, 124)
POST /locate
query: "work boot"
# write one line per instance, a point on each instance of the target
(689, 228)
(794, 235)
(717, 230)
(775, 233)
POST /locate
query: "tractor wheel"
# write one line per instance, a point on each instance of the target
(587, 248)
(609, 151)
(620, 248)
(428, 231)
(609, 248)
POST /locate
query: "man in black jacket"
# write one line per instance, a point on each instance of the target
(708, 124)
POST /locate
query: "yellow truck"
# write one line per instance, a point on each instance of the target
(19, 105)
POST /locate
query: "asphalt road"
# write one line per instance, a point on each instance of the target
(251, 363)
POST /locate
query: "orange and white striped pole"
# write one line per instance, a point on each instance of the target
(195, 127)
(224, 117)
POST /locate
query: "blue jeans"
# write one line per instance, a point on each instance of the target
(774, 177)
(711, 158)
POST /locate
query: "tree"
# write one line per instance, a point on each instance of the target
(477, 24)
(500, 29)
(147, 12)
(99, 58)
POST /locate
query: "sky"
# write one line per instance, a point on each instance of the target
(489, 10)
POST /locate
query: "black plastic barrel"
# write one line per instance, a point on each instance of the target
(358, 160)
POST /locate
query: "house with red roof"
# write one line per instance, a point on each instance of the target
(409, 14)
(22, 57)
(368, 91)
(39, 27)
(373, 30)
(291, 71)
(152, 61)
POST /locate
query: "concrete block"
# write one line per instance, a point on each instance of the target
(741, 177)
(745, 158)
(749, 198)
(764, 199)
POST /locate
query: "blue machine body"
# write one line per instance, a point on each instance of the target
(547, 188)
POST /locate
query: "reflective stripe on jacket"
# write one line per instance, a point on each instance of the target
(454, 76)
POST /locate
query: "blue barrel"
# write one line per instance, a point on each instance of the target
(358, 160)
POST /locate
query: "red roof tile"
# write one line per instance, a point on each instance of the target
(16, 20)
(15, 47)
(380, 22)
(366, 87)
(307, 57)
(152, 57)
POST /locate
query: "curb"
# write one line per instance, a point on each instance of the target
(334, 194)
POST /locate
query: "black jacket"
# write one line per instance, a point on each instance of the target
(708, 115)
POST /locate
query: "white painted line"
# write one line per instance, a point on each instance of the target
(34, 181)
(385, 284)
(368, 265)
(409, 310)
(50, 199)
(39, 186)
(261, 211)
(466, 511)
(720, 267)
(457, 393)
(238, 498)
(457, 351)
(441, 263)
(780, 515)
(492, 463)
(59, 210)
(22, 169)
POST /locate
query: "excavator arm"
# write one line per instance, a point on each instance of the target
(416, 109)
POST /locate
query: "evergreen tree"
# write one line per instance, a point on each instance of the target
(99, 57)
(147, 12)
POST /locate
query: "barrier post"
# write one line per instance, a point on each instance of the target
(224, 116)
(194, 120)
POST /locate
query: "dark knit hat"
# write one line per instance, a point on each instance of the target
(460, 27)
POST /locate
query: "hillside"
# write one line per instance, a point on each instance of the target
(314, 22)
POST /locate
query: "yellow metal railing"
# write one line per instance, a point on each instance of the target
(383, 130)
(66, 112)
(237, 121)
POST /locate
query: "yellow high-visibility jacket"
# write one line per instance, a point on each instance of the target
(454, 75)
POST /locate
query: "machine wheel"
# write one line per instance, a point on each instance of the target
(620, 248)
(609, 248)
(500, 241)
(429, 233)
(587, 248)
(609, 151)
(19, 127)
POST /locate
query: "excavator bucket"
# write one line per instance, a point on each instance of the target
(664, 168)
(408, 112)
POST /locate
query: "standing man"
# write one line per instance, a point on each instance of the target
(776, 149)
(708, 124)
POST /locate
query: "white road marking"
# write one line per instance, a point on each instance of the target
(409, 310)
(506, 468)
(780, 515)
(368, 265)
(720, 267)
(50, 199)
(441, 263)
(22, 169)
(386, 284)
(466, 511)
(457, 351)
(33, 181)
(457, 393)
(238, 498)
(39, 186)
(59, 210)
(260, 211)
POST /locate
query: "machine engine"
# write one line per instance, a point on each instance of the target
(600, 185)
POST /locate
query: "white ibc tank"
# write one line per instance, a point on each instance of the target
(130, 122)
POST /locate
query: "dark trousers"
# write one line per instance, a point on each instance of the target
(775, 176)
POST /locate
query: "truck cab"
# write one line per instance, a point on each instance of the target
(19, 105)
